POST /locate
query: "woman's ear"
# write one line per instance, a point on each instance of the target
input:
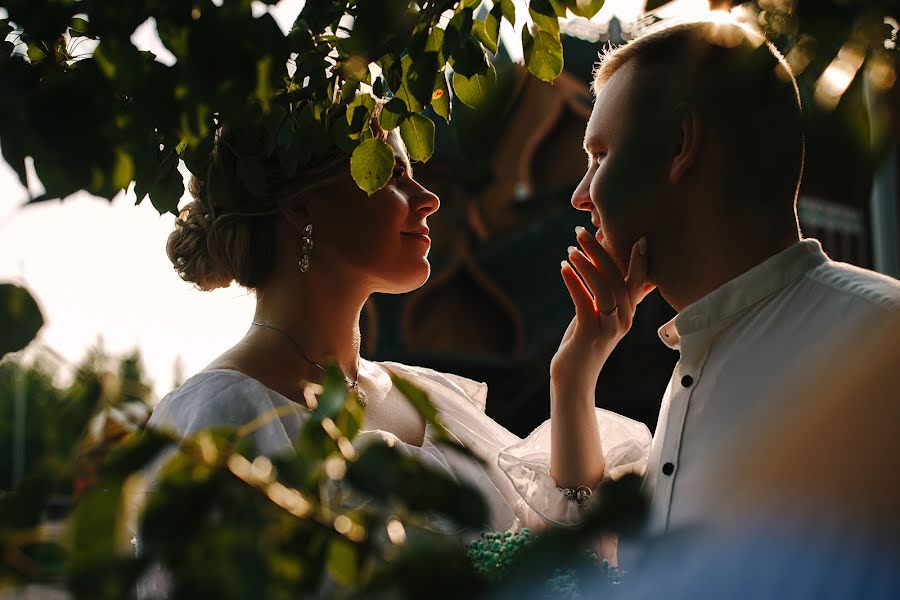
(688, 146)
(295, 211)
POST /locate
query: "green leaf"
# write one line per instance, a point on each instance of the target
(343, 561)
(508, 7)
(123, 171)
(371, 165)
(586, 8)
(392, 113)
(435, 43)
(543, 54)
(405, 92)
(20, 316)
(488, 31)
(359, 111)
(440, 97)
(474, 91)
(79, 27)
(35, 53)
(544, 16)
(417, 132)
(469, 59)
(264, 88)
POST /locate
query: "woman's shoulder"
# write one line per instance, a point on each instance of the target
(218, 397)
(474, 391)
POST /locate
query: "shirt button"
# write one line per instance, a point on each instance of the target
(687, 381)
(668, 468)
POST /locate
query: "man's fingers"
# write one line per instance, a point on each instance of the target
(581, 297)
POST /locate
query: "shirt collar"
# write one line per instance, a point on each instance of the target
(742, 292)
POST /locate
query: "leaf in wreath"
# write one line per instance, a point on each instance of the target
(474, 91)
(252, 175)
(359, 112)
(21, 318)
(469, 59)
(544, 16)
(417, 132)
(440, 97)
(340, 135)
(392, 113)
(371, 165)
(543, 54)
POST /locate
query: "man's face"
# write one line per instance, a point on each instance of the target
(627, 159)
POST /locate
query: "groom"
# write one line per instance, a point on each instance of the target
(696, 148)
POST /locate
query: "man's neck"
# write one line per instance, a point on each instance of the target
(685, 268)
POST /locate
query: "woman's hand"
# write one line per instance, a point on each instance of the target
(605, 303)
(604, 308)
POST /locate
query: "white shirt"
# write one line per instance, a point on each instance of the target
(738, 345)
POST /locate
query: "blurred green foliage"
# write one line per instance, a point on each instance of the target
(98, 120)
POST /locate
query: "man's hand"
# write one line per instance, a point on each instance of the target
(605, 303)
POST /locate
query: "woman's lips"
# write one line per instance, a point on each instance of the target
(421, 236)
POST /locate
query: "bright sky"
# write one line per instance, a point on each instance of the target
(99, 269)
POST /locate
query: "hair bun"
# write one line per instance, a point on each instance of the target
(190, 251)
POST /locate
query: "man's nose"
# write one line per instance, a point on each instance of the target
(581, 197)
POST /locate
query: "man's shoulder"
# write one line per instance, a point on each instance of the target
(855, 283)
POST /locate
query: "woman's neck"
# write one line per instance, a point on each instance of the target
(321, 315)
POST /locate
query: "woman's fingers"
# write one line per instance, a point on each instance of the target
(636, 279)
(581, 297)
(607, 267)
(596, 281)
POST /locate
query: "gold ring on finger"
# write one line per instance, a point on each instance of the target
(610, 313)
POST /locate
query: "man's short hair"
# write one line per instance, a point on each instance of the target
(741, 86)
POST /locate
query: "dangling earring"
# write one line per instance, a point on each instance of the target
(306, 244)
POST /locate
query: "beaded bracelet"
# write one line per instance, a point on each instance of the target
(580, 495)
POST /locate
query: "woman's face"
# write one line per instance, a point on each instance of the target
(379, 240)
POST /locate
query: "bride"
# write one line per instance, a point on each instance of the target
(313, 247)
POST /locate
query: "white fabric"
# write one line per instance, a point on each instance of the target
(739, 345)
(513, 478)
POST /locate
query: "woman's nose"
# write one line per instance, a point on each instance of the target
(426, 201)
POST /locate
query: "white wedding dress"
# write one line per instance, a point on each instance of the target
(514, 478)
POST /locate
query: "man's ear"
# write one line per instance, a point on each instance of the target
(688, 147)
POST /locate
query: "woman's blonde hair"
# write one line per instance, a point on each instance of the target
(227, 235)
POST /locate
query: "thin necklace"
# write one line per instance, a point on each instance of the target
(351, 384)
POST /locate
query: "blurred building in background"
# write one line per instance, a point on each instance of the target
(495, 308)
